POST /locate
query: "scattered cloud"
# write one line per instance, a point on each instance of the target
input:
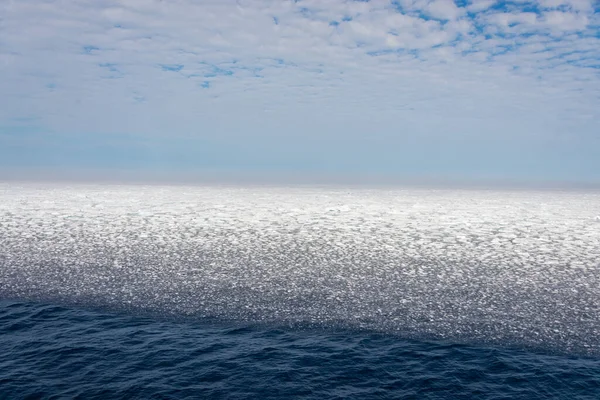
(291, 76)
(444, 10)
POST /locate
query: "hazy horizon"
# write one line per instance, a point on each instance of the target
(241, 178)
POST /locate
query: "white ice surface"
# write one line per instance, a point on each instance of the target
(495, 266)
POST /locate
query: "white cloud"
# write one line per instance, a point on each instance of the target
(480, 5)
(507, 20)
(444, 10)
(215, 69)
(575, 5)
(565, 21)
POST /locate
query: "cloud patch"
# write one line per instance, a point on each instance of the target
(391, 73)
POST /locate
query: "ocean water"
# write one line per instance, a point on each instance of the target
(268, 292)
(60, 352)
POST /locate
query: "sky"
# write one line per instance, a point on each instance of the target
(480, 89)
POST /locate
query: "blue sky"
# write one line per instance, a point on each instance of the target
(460, 89)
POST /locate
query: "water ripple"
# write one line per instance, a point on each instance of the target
(73, 353)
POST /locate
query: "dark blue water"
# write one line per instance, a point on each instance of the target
(51, 351)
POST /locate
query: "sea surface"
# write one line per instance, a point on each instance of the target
(133, 291)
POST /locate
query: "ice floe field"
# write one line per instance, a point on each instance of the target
(488, 266)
